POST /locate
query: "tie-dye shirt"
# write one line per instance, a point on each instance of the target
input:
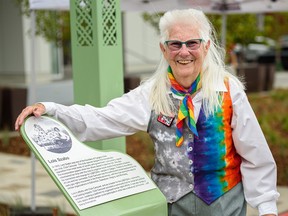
(208, 164)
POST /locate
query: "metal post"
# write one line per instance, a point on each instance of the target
(97, 62)
(32, 96)
(223, 29)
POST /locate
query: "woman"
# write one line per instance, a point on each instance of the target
(206, 136)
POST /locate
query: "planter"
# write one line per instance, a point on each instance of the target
(26, 211)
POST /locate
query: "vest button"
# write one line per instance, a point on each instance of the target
(190, 136)
(190, 162)
(190, 149)
(191, 186)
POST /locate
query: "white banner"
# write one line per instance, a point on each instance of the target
(49, 4)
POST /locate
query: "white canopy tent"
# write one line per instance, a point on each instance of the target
(222, 7)
(49, 4)
(208, 6)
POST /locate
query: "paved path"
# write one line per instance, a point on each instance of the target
(15, 186)
(281, 79)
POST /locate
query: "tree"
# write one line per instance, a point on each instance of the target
(241, 28)
(54, 26)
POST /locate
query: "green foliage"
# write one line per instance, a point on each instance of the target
(152, 19)
(53, 25)
(271, 111)
(23, 6)
(241, 28)
(276, 25)
(141, 148)
(18, 205)
(5, 137)
(4, 210)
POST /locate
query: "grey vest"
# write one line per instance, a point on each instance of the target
(171, 171)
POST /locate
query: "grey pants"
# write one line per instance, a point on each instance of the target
(232, 203)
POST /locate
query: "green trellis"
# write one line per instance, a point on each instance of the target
(97, 56)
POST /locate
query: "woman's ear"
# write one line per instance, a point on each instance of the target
(163, 50)
(207, 45)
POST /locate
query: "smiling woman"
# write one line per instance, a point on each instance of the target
(199, 120)
(185, 58)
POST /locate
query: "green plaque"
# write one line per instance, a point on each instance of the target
(95, 182)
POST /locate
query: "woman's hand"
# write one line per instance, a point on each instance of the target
(36, 109)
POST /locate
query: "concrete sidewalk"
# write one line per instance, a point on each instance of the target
(15, 187)
(281, 79)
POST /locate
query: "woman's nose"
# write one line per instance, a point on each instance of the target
(184, 50)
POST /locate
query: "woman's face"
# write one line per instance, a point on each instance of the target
(186, 64)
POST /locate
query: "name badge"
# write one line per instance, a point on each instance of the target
(166, 120)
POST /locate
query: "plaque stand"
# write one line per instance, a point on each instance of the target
(95, 182)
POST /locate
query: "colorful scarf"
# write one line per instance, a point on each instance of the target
(186, 108)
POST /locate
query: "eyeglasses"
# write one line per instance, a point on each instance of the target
(175, 45)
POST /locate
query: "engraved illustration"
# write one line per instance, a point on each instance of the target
(52, 139)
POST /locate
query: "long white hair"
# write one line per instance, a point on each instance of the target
(213, 68)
